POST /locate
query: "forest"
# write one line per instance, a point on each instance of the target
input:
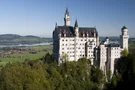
(45, 74)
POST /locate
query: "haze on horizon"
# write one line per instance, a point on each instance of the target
(38, 17)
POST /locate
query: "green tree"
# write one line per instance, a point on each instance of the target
(124, 77)
(97, 75)
(125, 52)
(34, 75)
(26, 76)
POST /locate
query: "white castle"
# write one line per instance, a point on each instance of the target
(78, 42)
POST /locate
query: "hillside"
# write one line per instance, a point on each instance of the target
(18, 39)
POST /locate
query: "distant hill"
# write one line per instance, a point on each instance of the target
(111, 38)
(31, 39)
(18, 39)
(115, 38)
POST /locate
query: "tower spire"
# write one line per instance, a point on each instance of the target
(76, 24)
(67, 13)
(67, 18)
(56, 25)
(76, 28)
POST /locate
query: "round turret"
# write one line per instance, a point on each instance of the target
(124, 38)
(124, 30)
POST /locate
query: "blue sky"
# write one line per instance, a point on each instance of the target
(38, 17)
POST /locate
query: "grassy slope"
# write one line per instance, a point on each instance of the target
(22, 57)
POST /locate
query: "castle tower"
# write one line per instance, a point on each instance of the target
(76, 32)
(124, 38)
(67, 18)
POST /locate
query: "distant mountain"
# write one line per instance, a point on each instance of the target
(31, 39)
(18, 39)
(15, 36)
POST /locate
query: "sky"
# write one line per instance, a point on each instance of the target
(38, 17)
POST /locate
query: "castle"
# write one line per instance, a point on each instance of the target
(74, 42)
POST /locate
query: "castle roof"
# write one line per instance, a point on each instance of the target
(83, 31)
(113, 45)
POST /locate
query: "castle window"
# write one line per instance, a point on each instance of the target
(62, 39)
(66, 40)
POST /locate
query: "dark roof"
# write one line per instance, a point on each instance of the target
(124, 27)
(70, 32)
(102, 42)
(85, 30)
(76, 24)
(113, 45)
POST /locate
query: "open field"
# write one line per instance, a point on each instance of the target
(19, 57)
(43, 49)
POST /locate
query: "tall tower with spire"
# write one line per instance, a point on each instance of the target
(76, 30)
(124, 38)
(67, 18)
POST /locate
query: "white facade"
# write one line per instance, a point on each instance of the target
(77, 47)
(78, 42)
(109, 53)
(103, 57)
(114, 54)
